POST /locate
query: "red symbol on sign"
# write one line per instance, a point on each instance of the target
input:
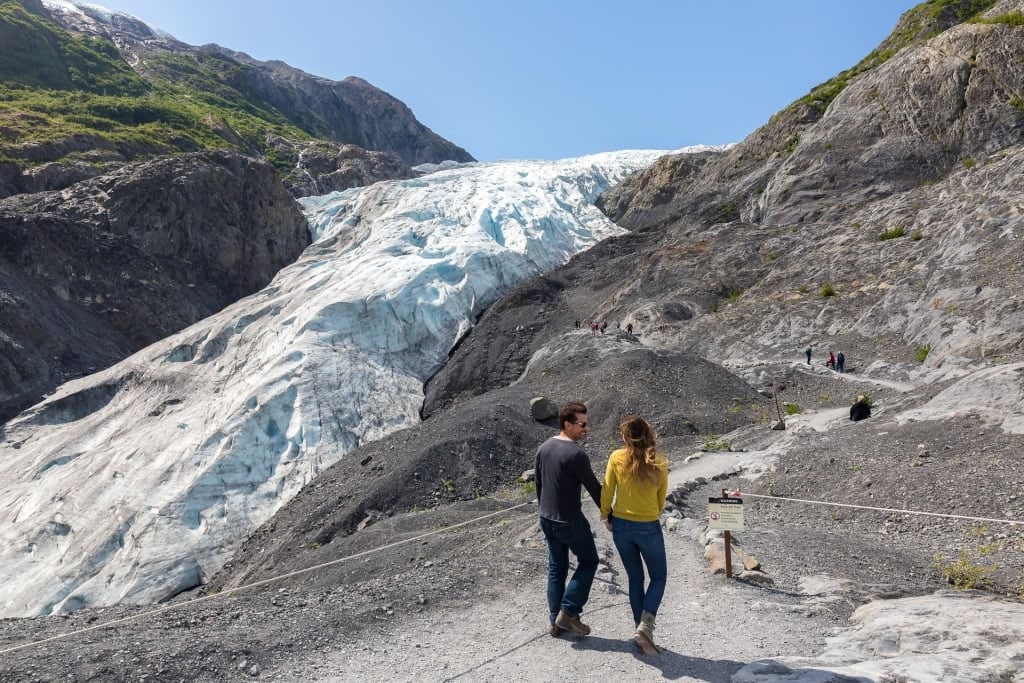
(714, 515)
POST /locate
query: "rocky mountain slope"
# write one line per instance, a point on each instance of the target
(93, 273)
(86, 88)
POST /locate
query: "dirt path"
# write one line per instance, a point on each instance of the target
(709, 627)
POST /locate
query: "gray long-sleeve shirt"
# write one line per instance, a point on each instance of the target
(561, 469)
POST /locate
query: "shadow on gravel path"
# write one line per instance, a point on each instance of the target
(673, 665)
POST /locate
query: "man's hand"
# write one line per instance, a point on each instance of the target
(608, 524)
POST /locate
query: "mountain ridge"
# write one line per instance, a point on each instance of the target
(139, 93)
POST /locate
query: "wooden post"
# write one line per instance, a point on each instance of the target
(728, 545)
(728, 555)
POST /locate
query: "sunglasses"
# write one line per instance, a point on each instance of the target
(582, 424)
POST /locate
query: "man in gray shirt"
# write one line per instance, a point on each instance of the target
(562, 468)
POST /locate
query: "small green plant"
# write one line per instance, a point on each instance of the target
(1017, 102)
(734, 294)
(917, 235)
(969, 162)
(713, 443)
(866, 397)
(827, 290)
(316, 545)
(791, 144)
(449, 485)
(855, 467)
(964, 574)
(989, 548)
(802, 289)
(529, 487)
(892, 233)
(826, 397)
(922, 353)
(793, 409)
(770, 485)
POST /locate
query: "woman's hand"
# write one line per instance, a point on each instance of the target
(608, 524)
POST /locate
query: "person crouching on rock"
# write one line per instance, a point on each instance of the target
(632, 499)
(561, 469)
(860, 410)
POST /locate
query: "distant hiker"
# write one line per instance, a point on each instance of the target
(616, 324)
(831, 362)
(593, 327)
(578, 323)
(860, 410)
(840, 362)
(629, 328)
(807, 352)
(561, 469)
(632, 500)
(604, 326)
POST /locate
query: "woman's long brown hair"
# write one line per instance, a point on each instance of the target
(640, 455)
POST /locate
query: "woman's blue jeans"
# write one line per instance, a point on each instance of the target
(577, 537)
(639, 544)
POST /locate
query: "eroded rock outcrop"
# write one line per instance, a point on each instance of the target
(94, 272)
(323, 167)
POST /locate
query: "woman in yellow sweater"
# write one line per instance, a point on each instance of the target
(632, 498)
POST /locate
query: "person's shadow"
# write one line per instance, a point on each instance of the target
(671, 664)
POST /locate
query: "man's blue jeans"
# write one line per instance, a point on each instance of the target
(641, 543)
(577, 537)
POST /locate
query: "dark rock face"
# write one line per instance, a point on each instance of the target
(351, 111)
(322, 167)
(95, 272)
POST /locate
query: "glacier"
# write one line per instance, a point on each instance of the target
(138, 482)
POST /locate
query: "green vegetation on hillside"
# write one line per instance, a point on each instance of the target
(1014, 18)
(37, 54)
(56, 87)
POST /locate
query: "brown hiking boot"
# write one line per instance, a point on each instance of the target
(644, 636)
(555, 631)
(570, 623)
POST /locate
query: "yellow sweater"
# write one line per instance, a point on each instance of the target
(635, 499)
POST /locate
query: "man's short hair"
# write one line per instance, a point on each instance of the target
(569, 412)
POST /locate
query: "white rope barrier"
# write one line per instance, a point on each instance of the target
(737, 494)
(193, 601)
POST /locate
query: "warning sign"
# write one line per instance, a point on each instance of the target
(725, 514)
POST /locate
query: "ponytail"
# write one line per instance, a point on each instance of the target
(639, 439)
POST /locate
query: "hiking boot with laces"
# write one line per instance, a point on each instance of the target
(566, 621)
(554, 630)
(644, 636)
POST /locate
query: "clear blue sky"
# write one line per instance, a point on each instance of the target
(551, 79)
